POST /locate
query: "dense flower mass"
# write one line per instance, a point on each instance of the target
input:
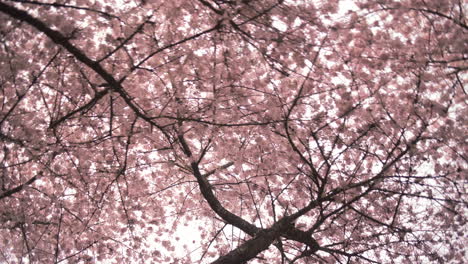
(233, 131)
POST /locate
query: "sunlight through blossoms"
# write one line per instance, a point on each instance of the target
(233, 131)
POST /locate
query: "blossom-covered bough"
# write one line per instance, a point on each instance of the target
(233, 131)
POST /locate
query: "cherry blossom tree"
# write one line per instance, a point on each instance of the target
(233, 131)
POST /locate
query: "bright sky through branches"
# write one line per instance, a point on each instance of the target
(243, 131)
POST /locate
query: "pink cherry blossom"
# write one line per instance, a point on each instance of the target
(215, 131)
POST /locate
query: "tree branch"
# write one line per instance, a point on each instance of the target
(207, 192)
(18, 188)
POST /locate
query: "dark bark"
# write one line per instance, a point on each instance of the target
(18, 188)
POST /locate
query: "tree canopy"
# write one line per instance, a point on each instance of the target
(233, 131)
